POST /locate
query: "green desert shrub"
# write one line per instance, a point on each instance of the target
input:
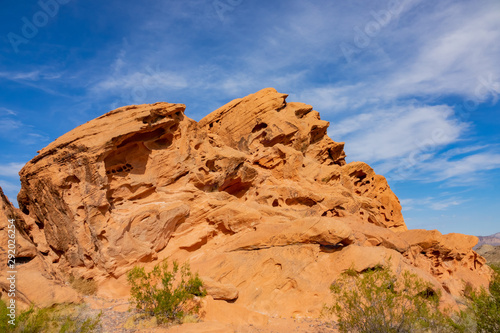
(165, 293)
(485, 306)
(80, 325)
(58, 319)
(4, 325)
(376, 300)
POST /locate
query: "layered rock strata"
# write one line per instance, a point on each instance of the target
(255, 196)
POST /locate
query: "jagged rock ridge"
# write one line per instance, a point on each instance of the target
(255, 195)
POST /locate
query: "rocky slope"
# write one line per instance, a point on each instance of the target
(255, 196)
(490, 252)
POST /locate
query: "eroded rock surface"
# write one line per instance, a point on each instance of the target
(36, 281)
(255, 196)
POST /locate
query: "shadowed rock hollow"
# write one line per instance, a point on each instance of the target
(255, 196)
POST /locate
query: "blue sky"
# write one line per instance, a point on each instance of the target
(411, 86)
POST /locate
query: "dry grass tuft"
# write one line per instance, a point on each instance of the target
(83, 286)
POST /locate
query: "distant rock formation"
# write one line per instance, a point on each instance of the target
(255, 196)
(490, 252)
(490, 240)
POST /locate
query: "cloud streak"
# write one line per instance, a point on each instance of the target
(10, 169)
(387, 134)
(437, 204)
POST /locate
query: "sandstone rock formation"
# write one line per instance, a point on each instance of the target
(36, 280)
(255, 196)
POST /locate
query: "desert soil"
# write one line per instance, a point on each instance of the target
(116, 313)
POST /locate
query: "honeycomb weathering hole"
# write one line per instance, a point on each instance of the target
(258, 127)
(162, 143)
(359, 176)
(120, 160)
(300, 201)
(143, 136)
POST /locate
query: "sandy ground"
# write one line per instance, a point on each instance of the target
(116, 313)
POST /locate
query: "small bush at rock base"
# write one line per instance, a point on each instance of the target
(165, 293)
(485, 306)
(376, 300)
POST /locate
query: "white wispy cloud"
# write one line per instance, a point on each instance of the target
(134, 84)
(148, 79)
(433, 203)
(426, 51)
(10, 169)
(35, 75)
(6, 111)
(453, 56)
(13, 129)
(454, 152)
(448, 49)
(334, 99)
(453, 53)
(45, 79)
(443, 169)
(10, 189)
(8, 125)
(384, 135)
